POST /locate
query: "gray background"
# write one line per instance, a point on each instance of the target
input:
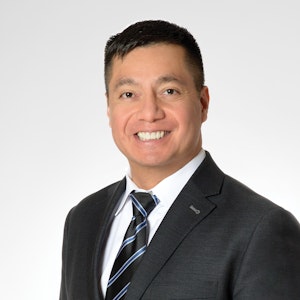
(55, 139)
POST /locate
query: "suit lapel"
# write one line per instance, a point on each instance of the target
(114, 195)
(188, 210)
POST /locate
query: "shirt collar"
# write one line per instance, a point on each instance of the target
(169, 188)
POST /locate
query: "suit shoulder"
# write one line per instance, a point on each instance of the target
(108, 190)
(100, 199)
(241, 196)
(237, 194)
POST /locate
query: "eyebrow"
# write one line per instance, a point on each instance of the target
(160, 80)
(125, 81)
(168, 78)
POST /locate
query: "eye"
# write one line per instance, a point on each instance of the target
(170, 92)
(127, 95)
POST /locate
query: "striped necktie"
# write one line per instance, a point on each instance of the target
(133, 247)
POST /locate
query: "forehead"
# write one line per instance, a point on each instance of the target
(154, 60)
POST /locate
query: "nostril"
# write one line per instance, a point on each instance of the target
(151, 112)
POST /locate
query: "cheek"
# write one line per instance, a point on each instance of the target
(190, 117)
(192, 124)
(115, 124)
(118, 121)
(116, 131)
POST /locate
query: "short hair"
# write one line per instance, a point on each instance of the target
(150, 32)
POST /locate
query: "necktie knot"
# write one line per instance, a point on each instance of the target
(143, 203)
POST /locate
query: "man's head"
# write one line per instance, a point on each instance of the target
(145, 33)
(156, 99)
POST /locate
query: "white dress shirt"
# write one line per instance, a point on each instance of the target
(166, 191)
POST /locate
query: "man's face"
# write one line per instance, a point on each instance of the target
(155, 110)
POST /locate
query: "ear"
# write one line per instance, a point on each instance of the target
(107, 108)
(204, 98)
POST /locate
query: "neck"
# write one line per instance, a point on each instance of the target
(147, 177)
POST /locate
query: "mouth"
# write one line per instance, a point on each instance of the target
(150, 136)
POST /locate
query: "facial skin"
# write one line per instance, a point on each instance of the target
(155, 111)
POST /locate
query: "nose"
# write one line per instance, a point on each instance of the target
(150, 109)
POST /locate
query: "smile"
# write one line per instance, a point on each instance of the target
(148, 136)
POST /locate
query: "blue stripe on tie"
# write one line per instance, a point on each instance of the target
(138, 206)
(133, 237)
(122, 292)
(136, 255)
(140, 226)
(156, 200)
(126, 242)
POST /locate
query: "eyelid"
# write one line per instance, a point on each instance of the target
(123, 95)
(174, 91)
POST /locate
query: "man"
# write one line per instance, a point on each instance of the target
(209, 236)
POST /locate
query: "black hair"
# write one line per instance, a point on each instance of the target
(146, 33)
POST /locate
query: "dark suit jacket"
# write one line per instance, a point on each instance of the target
(237, 246)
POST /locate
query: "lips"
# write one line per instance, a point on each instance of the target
(150, 136)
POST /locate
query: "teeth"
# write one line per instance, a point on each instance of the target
(148, 136)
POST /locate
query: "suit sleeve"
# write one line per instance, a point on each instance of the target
(271, 264)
